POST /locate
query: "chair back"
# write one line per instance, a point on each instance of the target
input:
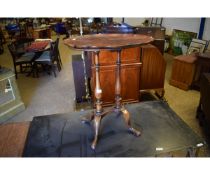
(52, 51)
(13, 52)
(55, 49)
(23, 41)
(56, 46)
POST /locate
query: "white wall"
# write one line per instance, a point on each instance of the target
(186, 24)
(131, 21)
(206, 33)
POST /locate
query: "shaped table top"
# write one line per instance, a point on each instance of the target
(107, 41)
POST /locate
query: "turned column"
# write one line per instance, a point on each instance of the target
(118, 83)
(98, 95)
(98, 90)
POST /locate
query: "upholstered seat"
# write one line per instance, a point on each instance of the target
(44, 57)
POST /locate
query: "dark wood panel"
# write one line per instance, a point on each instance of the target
(153, 68)
(182, 74)
(129, 81)
(128, 55)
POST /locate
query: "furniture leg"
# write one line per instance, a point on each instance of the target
(97, 120)
(160, 93)
(118, 106)
(98, 95)
(193, 152)
(126, 117)
(118, 83)
(53, 69)
(21, 68)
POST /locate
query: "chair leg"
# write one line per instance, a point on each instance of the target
(53, 69)
(15, 72)
(21, 68)
(58, 65)
(59, 58)
(36, 69)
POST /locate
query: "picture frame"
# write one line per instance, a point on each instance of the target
(197, 45)
(179, 39)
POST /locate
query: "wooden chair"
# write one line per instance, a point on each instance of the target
(23, 60)
(47, 58)
(21, 43)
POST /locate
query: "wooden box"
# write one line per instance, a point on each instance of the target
(183, 69)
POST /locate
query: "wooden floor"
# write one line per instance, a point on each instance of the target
(12, 139)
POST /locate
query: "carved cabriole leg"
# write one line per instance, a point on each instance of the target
(98, 95)
(118, 106)
(97, 121)
(126, 117)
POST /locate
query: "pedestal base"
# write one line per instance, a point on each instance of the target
(97, 120)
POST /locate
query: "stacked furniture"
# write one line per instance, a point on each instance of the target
(184, 66)
(143, 69)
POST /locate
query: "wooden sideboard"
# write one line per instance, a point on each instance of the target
(143, 69)
(130, 75)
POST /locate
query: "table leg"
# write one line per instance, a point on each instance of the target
(126, 117)
(118, 83)
(118, 106)
(98, 95)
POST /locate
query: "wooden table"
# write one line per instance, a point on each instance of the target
(114, 42)
(13, 138)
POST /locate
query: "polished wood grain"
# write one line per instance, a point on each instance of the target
(12, 139)
(153, 69)
(128, 55)
(182, 74)
(130, 75)
(111, 42)
(107, 41)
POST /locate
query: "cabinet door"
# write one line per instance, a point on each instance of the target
(129, 83)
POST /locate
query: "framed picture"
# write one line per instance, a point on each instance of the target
(179, 40)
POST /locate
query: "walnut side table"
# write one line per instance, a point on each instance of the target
(114, 42)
